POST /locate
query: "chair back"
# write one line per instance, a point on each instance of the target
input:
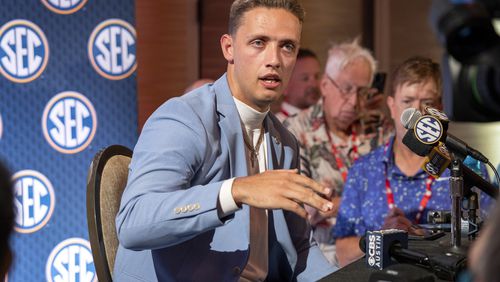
(106, 181)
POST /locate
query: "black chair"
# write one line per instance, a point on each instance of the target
(106, 181)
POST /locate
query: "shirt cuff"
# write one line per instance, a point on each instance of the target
(227, 204)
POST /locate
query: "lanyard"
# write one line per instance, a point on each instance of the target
(425, 199)
(284, 112)
(340, 164)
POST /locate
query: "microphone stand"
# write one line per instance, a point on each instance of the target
(456, 194)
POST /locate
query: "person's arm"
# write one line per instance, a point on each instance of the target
(348, 250)
(161, 207)
(350, 223)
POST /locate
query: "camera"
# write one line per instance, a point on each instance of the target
(472, 70)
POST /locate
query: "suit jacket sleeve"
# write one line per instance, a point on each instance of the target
(161, 206)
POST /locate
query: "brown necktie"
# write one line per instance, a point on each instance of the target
(257, 265)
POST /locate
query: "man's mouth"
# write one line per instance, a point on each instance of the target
(271, 80)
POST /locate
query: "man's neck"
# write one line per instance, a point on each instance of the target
(251, 118)
(334, 129)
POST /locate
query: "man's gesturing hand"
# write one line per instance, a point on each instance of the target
(281, 189)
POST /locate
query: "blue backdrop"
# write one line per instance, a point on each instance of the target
(67, 89)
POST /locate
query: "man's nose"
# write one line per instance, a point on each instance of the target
(273, 56)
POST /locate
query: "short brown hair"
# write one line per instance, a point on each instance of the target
(415, 70)
(240, 7)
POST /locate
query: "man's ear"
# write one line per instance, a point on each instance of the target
(390, 103)
(226, 44)
(322, 85)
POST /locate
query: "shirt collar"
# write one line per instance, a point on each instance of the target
(388, 160)
(289, 108)
(251, 118)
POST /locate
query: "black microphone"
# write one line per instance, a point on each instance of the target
(437, 161)
(436, 156)
(387, 247)
(408, 118)
(454, 144)
(381, 246)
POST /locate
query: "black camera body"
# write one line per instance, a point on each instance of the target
(472, 92)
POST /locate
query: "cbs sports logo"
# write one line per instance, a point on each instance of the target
(69, 122)
(112, 49)
(34, 200)
(71, 260)
(24, 51)
(64, 7)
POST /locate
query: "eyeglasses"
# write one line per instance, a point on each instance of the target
(349, 90)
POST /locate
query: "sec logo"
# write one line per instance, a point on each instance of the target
(64, 6)
(437, 113)
(69, 122)
(34, 200)
(428, 129)
(112, 49)
(71, 260)
(24, 51)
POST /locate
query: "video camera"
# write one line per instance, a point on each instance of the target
(472, 74)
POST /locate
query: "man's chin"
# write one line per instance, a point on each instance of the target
(269, 97)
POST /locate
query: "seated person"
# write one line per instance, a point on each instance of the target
(327, 132)
(7, 220)
(387, 188)
(303, 88)
(213, 191)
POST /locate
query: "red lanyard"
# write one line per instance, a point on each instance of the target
(285, 113)
(425, 199)
(340, 164)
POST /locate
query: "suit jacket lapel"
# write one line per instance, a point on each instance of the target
(232, 141)
(230, 126)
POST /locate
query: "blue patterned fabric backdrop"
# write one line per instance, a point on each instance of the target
(67, 89)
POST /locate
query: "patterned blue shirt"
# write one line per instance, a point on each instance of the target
(364, 204)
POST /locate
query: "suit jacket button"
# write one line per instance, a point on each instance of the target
(236, 270)
(177, 210)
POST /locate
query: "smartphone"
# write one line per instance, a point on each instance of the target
(379, 81)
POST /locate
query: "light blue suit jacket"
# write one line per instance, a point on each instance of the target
(168, 225)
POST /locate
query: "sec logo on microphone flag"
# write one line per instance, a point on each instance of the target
(428, 129)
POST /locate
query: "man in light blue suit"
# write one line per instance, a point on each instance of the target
(197, 179)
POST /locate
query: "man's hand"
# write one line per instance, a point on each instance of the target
(281, 189)
(396, 219)
(372, 111)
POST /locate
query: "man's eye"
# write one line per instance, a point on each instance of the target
(289, 47)
(258, 43)
(348, 89)
(428, 104)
